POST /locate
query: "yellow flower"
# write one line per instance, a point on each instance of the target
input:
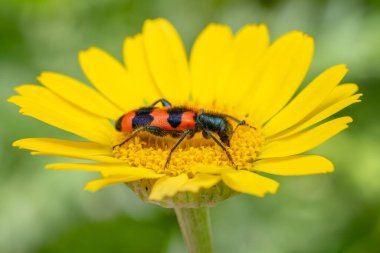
(242, 75)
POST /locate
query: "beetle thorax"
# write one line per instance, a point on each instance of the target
(217, 124)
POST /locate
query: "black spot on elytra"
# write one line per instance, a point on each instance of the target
(142, 117)
(144, 111)
(175, 116)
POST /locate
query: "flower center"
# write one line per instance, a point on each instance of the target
(149, 151)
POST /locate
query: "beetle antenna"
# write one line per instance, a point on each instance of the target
(242, 123)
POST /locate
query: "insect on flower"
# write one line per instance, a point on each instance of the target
(231, 78)
(179, 122)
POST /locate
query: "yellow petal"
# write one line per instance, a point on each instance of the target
(111, 78)
(73, 149)
(339, 93)
(42, 104)
(308, 99)
(320, 114)
(210, 169)
(98, 158)
(167, 60)
(306, 140)
(294, 165)
(101, 183)
(167, 186)
(249, 182)
(107, 169)
(206, 61)
(200, 181)
(137, 65)
(237, 73)
(281, 72)
(79, 94)
(64, 146)
(337, 100)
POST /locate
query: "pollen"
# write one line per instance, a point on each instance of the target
(151, 152)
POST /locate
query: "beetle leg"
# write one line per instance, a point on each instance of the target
(191, 135)
(151, 129)
(209, 134)
(131, 136)
(206, 134)
(163, 101)
(188, 131)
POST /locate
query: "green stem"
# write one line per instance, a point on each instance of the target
(196, 229)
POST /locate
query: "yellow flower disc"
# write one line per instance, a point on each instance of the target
(151, 152)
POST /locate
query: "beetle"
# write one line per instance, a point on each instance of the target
(178, 122)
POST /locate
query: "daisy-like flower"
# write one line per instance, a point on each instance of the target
(242, 75)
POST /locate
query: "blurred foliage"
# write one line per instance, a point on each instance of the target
(80, 238)
(46, 211)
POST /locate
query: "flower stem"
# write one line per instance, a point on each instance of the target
(196, 229)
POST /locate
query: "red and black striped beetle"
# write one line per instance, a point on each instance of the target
(178, 122)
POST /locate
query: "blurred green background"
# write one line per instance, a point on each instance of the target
(47, 211)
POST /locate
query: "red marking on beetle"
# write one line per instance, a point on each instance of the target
(188, 121)
(160, 119)
(126, 123)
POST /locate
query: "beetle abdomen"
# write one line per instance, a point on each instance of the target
(168, 119)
